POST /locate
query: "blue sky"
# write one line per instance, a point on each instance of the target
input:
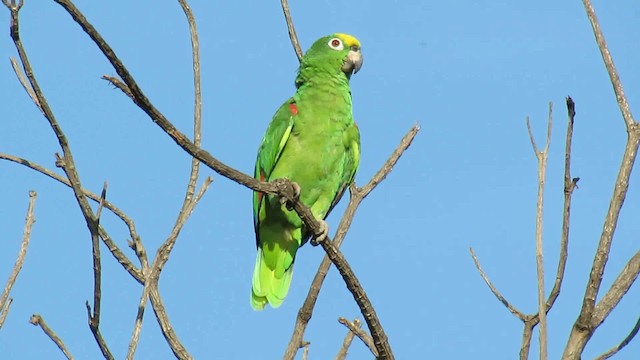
(468, 72)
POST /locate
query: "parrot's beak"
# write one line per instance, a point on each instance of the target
(353, 62)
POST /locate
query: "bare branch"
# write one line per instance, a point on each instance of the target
(118, 84)
(113, 248)
(292, 31)
(356, 197)
(495, 291)
(346, 343)
(305, 351)
(5, 301)
(37, 320)
(541, 156)
(611, 68)
(622, 344)
(569, 185)
(586, 323)
(94, 318)
(67, 164)
(25, 84)
(355, 329)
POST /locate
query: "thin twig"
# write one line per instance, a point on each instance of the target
(67, 164)
(291, 29)
(541, 157)
(113, 248)
(622, 344)
(356, 197)
(346, 343)
(495, 291)
(37, 320)
(94, 317)
(569, 185)
(188, 205)
(611, 68)
(355, 329)
(5, 301)
(305, 351)
(25, 84)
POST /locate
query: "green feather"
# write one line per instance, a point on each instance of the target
(313, 141)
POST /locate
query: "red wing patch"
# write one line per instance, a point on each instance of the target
(294, 109)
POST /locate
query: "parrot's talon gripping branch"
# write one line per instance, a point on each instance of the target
(322, 233)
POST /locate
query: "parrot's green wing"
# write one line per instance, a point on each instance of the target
(270, 149)
(351, 163)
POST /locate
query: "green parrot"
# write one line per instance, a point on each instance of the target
(313, 141)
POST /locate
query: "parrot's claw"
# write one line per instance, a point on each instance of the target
(296, 195)
(322, 236)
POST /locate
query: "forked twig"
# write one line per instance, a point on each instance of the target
(355, 329)
(541, 157)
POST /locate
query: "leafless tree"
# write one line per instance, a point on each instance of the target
(593, 312)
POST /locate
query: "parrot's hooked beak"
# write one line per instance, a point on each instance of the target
(353, 62)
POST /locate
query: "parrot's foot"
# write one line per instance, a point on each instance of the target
(324, 231)
(296, 195)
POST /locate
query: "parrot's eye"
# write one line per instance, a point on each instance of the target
(336, 44)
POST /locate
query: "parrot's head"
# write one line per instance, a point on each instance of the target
(335, 54)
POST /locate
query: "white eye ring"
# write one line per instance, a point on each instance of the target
(336, 44)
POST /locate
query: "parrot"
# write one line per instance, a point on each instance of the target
(314, 142)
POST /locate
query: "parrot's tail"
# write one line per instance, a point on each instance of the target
(269, 285)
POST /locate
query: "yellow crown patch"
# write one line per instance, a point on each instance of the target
(348, 40)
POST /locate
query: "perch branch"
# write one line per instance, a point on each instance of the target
(291, 29)
(5, 301)
(356, 197)
(37, 320)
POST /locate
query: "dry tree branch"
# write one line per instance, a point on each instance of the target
(305, 351)
(356, 197)
(37, 320)
(25, 84)
(541, 156)
(586, 323)
(519, 314)
(189, 203)
(5, 301)
(355, 329)
(67, 164)
(94, 317)
(291, 29)
(622, 344)
(111, 245)
(570, 184)
(348, 339)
